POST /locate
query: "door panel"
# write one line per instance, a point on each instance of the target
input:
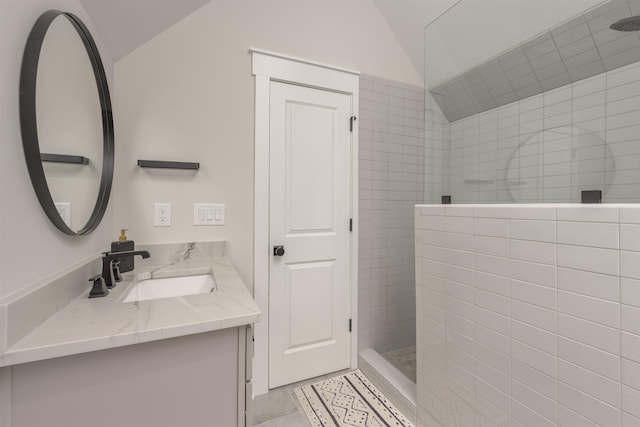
(310, 296)
(310, 207)
(310, 163)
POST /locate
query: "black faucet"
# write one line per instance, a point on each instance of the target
(110, 262)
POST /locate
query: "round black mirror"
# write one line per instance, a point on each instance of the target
(76, 164)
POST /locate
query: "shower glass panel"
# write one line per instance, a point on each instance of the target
(533, 101)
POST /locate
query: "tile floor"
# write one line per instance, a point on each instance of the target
(280, 408)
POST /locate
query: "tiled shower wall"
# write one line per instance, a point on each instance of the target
(437, 149)
(528, 315)
(391, 174)
(565, 131)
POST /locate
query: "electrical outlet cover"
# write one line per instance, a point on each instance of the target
(64, 209)
(162, 214)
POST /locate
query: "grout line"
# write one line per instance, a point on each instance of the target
(556, 314)
(620, 306)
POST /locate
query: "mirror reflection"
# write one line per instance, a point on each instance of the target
(559, 163)
(69, 122)
(66, 120)
(534, 110)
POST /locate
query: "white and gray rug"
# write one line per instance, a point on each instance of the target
(348, 400)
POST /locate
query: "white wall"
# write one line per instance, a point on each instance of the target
(188, 95)
(31, 249)
(409, 20)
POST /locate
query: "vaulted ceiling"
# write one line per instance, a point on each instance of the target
(408, 18)
(127, 24)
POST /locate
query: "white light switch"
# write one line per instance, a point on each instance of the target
(208, 214)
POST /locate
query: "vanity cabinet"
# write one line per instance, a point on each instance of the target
(195, 380)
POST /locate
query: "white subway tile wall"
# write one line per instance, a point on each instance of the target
(546, 148)
(540, 328)
(437, 151)
(391, 182)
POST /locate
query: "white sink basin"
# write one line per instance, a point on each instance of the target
(171, 287)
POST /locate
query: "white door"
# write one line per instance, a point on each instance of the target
(310, 211)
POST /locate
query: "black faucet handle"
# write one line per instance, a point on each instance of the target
(111, 273)
(99, 289)
(115, 268)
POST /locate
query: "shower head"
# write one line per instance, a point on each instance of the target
(627, 24)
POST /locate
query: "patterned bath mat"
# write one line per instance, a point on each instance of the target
(348, 400)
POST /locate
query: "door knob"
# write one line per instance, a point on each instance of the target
(278, 250)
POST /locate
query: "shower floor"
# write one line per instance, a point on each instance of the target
(403, 360)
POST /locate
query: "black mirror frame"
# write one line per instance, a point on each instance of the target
(28, 121)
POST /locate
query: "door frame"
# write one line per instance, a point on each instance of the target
(267, 67)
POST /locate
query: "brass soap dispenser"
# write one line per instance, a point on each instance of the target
(124, 245)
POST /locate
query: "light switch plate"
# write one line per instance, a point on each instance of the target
(208, 214)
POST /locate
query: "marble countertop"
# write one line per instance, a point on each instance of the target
(86, 325)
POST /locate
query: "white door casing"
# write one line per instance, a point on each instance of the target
(310, 210)
(268, 67)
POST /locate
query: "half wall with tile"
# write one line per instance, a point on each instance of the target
(528, 315)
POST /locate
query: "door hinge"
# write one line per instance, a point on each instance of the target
(351, 120)
(350, 325)
(350, 224)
